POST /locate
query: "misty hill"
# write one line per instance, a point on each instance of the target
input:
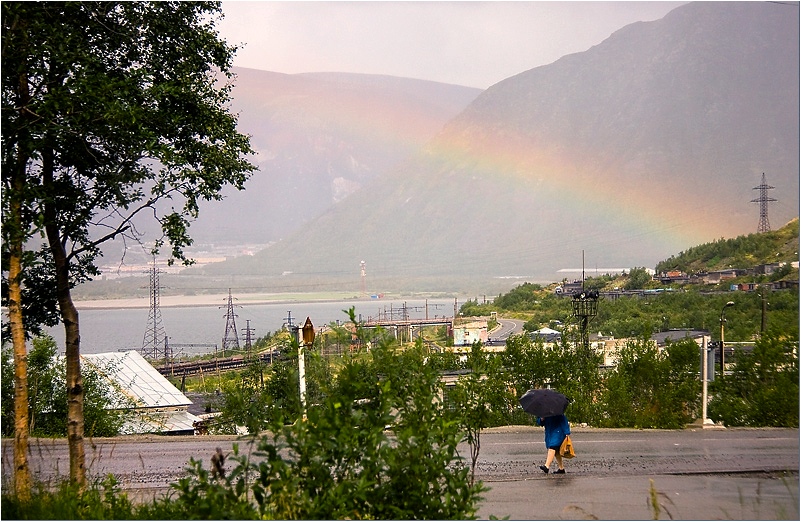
(640, 147)
(320, 137)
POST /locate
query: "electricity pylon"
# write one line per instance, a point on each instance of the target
(231, 338)
(155, 338)
(763, 200)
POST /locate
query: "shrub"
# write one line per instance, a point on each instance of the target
(340, 461)
(100, 501)
(649, 388)
(763, 387)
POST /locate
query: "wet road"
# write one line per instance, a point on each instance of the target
(697, 474)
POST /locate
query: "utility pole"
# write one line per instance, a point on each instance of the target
(763, 200)
(231, 338)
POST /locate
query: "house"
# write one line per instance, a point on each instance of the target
(569, 289)
(715, 277)
(159, 407)
(674, 277)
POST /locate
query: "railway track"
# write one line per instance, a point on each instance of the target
(226, 363)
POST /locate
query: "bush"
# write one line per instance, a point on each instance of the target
(340, 461)
(763, 387)
(649, 388)
(100, 501)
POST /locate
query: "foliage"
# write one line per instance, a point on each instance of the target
(340, 462)
(641, 315)
(39, 306)
(598, 283)
(472, 308)
(263, 392)
(478, 399)
(762, 389)
(523, 297)
(201, 496)
(111, 110)
(47, 400)
(638, 278)
(567, 367)
(741, 252)
(649, 388)
(118, 105)
(103, 500)
(7, 391)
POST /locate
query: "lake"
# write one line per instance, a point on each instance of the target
(115, 329)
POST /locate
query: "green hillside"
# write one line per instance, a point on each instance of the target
(777, 246)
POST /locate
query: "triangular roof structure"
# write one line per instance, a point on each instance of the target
(547, 331)
(160, 406)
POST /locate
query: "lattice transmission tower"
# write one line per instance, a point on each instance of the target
(154, 342)
(231, 338)
(763, 200)
(248, 338)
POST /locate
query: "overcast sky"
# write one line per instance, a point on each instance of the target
(476, 44)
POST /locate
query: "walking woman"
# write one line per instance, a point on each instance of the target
(556, 428)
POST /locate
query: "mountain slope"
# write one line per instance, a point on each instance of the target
(646, 144)
(320, 137)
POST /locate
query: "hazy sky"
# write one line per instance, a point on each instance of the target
(476, 44)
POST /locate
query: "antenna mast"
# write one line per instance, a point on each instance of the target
(763, 200)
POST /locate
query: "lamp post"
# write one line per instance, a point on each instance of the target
(704, 386)
(722, 323)
(308, 339)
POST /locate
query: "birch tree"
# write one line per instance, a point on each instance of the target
(110, 110)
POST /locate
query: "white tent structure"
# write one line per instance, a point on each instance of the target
(159, 406)
(547, 331)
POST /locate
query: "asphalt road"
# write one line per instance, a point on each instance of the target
(507, 327)
(734, 474)
(697, 474)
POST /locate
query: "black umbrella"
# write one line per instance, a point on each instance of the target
(543, 403)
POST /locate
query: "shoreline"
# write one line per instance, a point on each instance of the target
(207, 300)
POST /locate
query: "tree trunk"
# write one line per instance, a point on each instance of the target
(16, 235)
(22, 473)
(69, 316)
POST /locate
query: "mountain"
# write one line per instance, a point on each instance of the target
(319, 137)
(642, 146)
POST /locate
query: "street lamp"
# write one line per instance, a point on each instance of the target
(723, 322)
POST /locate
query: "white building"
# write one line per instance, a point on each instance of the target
(159, 406)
